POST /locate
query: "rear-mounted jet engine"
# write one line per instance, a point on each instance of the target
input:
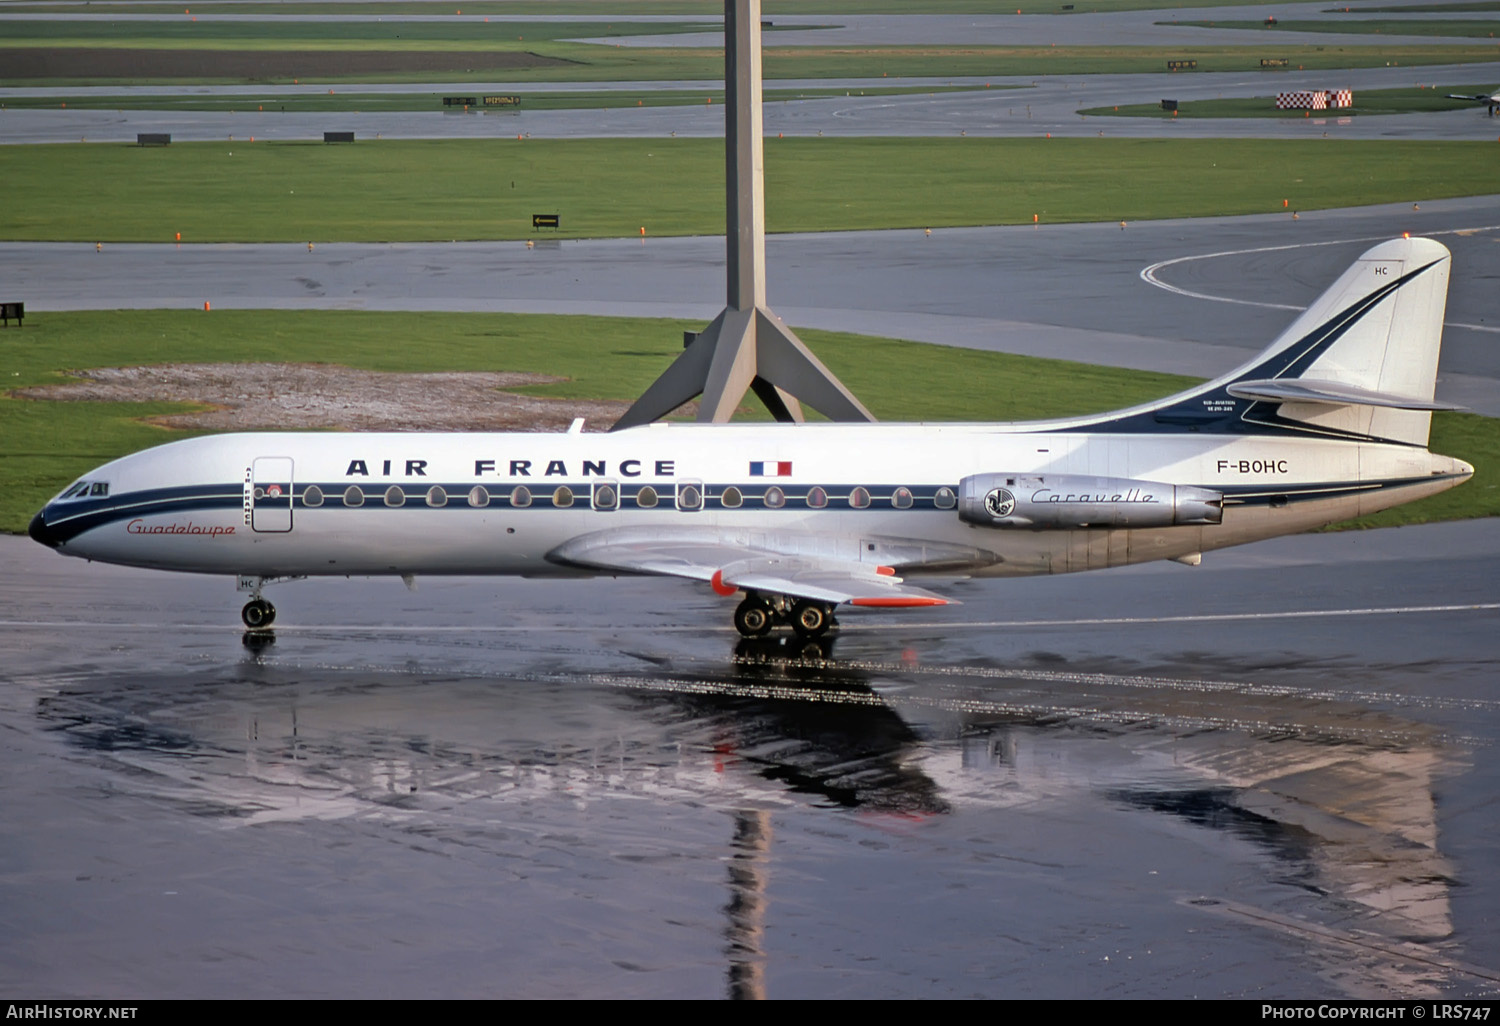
(1041, 501)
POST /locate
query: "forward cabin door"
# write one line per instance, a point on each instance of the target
(271, 494)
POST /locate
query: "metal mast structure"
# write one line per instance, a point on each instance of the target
(746, 347)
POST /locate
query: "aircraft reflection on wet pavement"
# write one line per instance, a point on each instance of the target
(1338, 792)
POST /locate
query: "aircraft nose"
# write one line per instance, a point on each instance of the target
(39, 531)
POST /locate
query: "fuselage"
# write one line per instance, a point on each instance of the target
(291, 504)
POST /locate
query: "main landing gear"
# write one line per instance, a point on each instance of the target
(755, 616)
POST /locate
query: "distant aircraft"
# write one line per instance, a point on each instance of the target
(1490, 100)
(1330, 422)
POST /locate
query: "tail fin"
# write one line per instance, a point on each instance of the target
(1360, 362)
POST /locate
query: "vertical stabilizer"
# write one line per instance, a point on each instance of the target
(1377, 330)
(1359, 363)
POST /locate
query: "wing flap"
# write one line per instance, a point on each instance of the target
(851, 583)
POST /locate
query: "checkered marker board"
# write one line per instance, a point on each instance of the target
(1302, 99)
(1315, 99)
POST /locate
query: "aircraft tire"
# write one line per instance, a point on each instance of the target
(258, 613)
(810, 619)
(752, 618)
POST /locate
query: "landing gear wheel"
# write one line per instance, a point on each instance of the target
(752, 618)
(258, 613)
(811, 619)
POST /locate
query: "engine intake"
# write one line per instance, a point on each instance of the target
(1040, 501)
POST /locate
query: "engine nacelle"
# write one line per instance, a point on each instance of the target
(1049, 501)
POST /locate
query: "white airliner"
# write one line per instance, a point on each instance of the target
(1490, 100)
(1330, 422)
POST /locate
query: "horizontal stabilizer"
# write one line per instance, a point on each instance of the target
(1329, 393)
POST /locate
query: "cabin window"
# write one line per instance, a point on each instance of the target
(354, 496)
(479, 496)
(520, 496)
(437, 496)
(645, 497)
(774, 498)
(901, 498)
(944, 498)
(689, 496)
(606, 497)
(859, 498)
(817, 498)
(312, 496)
(394, 496)
(730, 498)
(563, 497)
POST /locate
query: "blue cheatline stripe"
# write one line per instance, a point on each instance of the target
(157, 502)
(78, 516)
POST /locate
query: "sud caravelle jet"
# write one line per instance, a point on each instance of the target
(1330, 422)
(1490, 100)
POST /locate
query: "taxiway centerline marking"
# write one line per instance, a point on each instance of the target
(1148, 274)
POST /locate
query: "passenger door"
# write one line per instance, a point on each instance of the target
(271, 494)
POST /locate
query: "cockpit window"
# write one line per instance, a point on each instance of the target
(99, 488)
(76, 489)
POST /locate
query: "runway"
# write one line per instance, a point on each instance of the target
(1023, 107)
(1269, 776)
(1072, 292)
(1016, 106)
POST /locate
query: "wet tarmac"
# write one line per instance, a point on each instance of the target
(1273, 775)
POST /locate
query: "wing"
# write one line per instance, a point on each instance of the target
(731, 564)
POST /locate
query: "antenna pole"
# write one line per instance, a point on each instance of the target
(746, 347)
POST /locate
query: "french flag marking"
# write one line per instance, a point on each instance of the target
(772, 468)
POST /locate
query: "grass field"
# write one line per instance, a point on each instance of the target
(1413, 100)
(50, 443)
(356, 102)
(488, 189)
(460, 34)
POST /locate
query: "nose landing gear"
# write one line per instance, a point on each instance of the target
(258, 614)
(757, 614)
